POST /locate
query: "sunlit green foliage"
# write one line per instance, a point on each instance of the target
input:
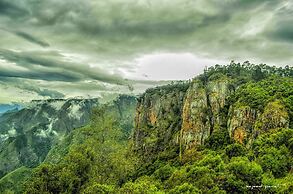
(246, 72)
(274, 151)
(143, 185)
(232, 169)
(185, 188)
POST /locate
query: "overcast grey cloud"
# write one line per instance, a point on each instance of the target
(50, 68)
(31, 38)
(30, 87)
(93, 46)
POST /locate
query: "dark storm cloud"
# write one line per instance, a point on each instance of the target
(31, 38)
(116, 28)
(284, 32)
(32, 70)
(11, 9)
(39, 91)
(96, 33)
(40, 75)
(282, 28)
(27, 37)
(51, 69)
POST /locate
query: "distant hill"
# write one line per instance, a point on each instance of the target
(27, 135)
(9, 107)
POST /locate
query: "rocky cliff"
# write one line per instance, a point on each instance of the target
(173, 120)
(245, 122)
(202, 111)
(26, 136)
(158, 120)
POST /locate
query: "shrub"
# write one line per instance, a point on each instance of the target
(276, 160)
(185, 188)
(234, 185)
(243, 169)
(218, 139)
(143, 185)
(99, 188)
(164, 173)
(235, 150)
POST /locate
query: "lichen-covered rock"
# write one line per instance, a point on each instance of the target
(158, 120)
(168, 117)
(274, 116)
(195, 119)
(241, 122)
(202, 110)
(218, 92)
(245, 123)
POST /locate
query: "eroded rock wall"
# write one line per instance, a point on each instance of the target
(182, 118)
(158, 120)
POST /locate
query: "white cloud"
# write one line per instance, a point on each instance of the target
(170, 66)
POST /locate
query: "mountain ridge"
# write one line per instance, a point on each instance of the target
(42, 123)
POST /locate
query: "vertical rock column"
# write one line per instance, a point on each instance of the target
(202, 110)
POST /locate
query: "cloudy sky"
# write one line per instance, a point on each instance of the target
(56, 49)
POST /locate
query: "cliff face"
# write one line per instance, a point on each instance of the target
(202, 110)
(172, 119)
(167, 119)
(245, 122)
(241, 121)
(275, 115)
(158, 120)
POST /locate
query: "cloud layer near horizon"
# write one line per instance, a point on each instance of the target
(53, 48)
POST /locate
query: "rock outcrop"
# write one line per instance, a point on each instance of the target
(168, 119)
(158, 120)
(174, 117)
(245, 122)
(241, 120)
(274, 116)
(202, 111)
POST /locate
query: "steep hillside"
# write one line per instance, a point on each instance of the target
(232, 133)
(26, 136)
(96, 152)
(234, 99)
(228, 130)
(12, 182)
(121, 110)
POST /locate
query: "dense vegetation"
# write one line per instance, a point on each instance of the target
(103, 160)
(258, 94)
(93, 168)
(246, 71)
